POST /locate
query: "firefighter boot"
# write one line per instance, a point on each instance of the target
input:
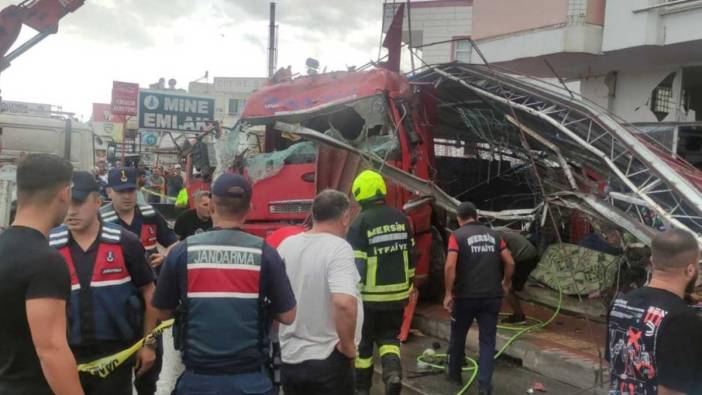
(392, 370)
(364, 375)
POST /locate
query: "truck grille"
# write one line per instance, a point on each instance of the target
(290, 206)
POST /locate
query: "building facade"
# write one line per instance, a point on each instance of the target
(639, 59)
(434, 25)
(230, 95)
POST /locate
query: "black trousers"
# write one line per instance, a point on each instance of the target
(119, 382)
(146, 384)
(333, 375)
(465, 310)
(381, 327)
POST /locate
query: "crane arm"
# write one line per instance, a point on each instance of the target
(41, 15)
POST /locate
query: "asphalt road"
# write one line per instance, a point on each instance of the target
(509, 378)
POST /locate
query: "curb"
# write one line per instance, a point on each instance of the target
(554, 363)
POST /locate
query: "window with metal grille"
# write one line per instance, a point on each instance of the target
(662, 101)
(462, 51)
(577, 10)
(235, 106)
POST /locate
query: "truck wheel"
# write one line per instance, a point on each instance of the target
(434, 291)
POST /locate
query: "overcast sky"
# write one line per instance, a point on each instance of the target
(142, 40)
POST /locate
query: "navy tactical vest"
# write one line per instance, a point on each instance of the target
(222, 319)
(148, 233)
(111, 313)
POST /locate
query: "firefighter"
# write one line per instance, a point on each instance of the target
(152, 230)
(111, 289)
(223, 286)
(382, 243)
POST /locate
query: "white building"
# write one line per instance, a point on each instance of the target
(639, 59)
(230, 95)
(434, 25)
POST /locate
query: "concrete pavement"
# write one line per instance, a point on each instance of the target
(509, 378)
(568, 350)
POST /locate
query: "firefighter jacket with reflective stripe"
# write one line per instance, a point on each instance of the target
(149, 228)
(382, 242)
(108, 310)
(221, 321)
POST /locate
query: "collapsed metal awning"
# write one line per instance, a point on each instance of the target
(637, 177)
(428, 191)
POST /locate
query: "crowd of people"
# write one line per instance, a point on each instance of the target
(84, 279)
(158, 184)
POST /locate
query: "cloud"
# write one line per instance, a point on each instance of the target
(334, 18)
(142, 40)
(136, 23)
(133, 23)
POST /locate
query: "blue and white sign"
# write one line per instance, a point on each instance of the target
(159, 110)
(149, 139)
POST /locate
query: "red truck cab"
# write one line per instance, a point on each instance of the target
(375, 110)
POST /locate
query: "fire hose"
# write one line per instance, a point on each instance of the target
(437, 362)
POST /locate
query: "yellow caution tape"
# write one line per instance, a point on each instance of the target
(162, 196)
(104, 366)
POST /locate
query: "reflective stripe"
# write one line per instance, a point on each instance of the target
(223, 266)
(204, 247)
(360, 254)
(111, 230)
(110, 218)
(371, 285)
(108, 283)
(411, 272)
(371, 271)
(58, 234)
(389, 349)
(75, 287)
(388, 288)
(238, 295)
(388, 237)
(363, 363)
(390, 297)
(58, 242)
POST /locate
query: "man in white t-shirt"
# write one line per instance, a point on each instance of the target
(319, 348)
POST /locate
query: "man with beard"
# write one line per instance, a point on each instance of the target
(635, 319)
(111, 289)
(35, 357)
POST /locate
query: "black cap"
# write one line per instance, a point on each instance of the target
(231, 185)
(122, 178)
(83, 184)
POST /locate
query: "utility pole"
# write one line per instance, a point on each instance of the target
(272, 43)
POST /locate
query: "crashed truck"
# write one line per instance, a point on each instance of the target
(532, 157)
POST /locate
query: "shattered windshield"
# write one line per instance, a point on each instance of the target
(262, 151)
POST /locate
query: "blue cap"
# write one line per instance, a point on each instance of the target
(232, 185)
(122, 178)
(83, 184)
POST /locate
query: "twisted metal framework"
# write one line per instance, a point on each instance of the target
(643, 181)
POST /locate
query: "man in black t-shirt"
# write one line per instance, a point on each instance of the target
(196, 220)
(635, 319)
(34, 354)
(679, 354)
(478, 273)
(109, 280)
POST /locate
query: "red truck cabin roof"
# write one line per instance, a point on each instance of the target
(311, 93)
